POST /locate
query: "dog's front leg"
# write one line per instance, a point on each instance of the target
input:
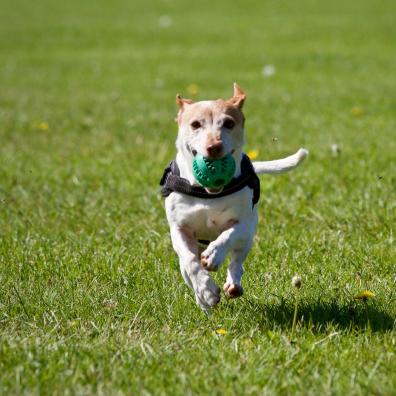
(236, 234)
(239, 239)
(207, 293)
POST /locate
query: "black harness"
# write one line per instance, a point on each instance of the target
(172, 182)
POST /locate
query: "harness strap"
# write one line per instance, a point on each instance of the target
(172, 182)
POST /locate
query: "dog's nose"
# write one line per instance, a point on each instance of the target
(215, 149)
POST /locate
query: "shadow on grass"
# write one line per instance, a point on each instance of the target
(319, 314)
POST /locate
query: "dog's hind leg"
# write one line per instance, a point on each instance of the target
(233, 287)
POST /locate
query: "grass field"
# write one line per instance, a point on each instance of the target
(91, 298)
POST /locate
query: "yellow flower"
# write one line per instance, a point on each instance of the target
(252, 154)
(364, 295)
(221, 331)
(43, 126)
(193, 89)
(357, 111)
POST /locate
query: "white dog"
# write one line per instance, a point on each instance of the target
(207, 224)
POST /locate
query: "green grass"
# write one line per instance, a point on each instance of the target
(91, 298)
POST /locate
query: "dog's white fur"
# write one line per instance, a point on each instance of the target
(228, 222)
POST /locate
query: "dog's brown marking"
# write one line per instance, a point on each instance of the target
(235, 113)
(230, 223)
(199, 111)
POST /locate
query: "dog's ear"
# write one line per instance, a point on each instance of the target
(182, 103)
(239, 97)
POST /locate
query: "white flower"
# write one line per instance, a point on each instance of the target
(268, 70)
(165, 21)
(296, 281)
(335, 149)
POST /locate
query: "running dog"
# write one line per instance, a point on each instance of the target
(206, 223)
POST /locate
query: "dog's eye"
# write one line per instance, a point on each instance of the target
(195, 125)
(228, 123)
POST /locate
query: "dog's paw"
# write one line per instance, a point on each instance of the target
(233, 290)
(207, 292)
(212, 257)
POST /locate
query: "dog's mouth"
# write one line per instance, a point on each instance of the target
(214, 190)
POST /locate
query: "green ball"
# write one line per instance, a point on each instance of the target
(213, 173)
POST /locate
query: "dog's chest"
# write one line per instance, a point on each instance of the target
(207, 218)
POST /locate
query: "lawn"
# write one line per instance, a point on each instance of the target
(91, 297)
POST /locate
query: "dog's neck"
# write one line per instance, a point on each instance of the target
(184, 159)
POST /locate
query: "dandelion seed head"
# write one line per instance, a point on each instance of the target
(335, 149)
(296, 281)
(159, 83)
(268, 70)
(165, 21)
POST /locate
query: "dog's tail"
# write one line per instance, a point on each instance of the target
(281, 165)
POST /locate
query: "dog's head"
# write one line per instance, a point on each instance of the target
(212, 128)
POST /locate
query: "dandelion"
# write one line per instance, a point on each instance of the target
(165, 21)
(193, 89)
(221, 331)
(110, 304)
(357, 111)
(268, 70)
(43, 126)
(252, 154)
(297, 283)
(87, 122)
(335, 149)
(139, 140)
(72, 323)
(159, 83)
(364, 295)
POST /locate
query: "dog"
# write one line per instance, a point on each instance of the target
(206, 224)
